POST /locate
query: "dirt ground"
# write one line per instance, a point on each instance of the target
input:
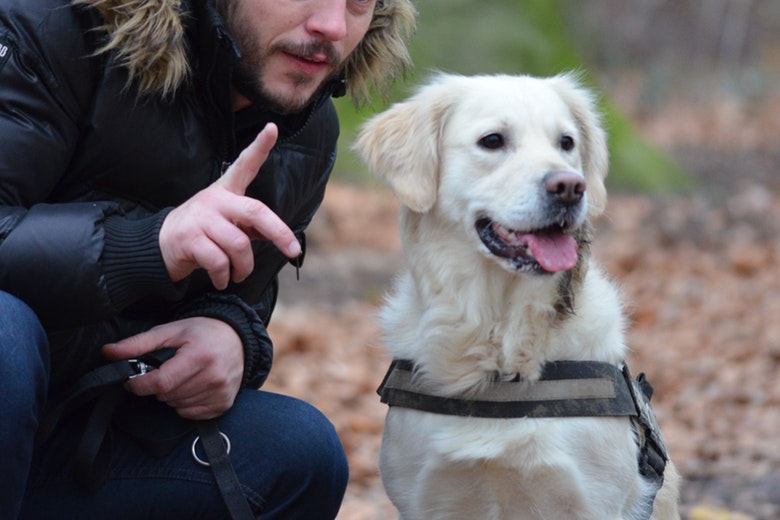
(699, 273)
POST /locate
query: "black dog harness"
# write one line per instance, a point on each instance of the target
(565, 389)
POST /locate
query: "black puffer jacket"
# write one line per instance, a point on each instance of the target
(88, 171)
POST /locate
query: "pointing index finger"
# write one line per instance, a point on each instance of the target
(252, 214)
(243, 171)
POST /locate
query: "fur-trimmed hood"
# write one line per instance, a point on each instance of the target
(148, 38)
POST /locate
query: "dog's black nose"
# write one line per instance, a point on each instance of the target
(566, 187)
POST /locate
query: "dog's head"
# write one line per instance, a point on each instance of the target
(518, 162)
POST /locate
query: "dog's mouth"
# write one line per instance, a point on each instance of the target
(546, 250)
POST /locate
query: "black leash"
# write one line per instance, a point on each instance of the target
(216, 448)
(103, 388)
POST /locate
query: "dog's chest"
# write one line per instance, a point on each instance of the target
(517, 444)
(473, 352)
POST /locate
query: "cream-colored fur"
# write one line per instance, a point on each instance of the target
(465, 315)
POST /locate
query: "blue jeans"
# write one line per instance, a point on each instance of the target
(24, 378)
(287, 456)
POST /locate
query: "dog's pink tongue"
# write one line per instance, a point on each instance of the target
(554, 251)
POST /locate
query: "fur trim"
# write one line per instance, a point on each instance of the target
(148, 38)
(382, 56)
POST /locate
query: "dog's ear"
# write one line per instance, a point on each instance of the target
(595, 156)
(401, 145)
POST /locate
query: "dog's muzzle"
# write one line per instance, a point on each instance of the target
(546, 250)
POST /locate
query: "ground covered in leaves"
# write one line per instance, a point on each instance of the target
(700, 274)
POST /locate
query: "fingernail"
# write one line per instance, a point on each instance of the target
(294, 249)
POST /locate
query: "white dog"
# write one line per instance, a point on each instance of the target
(500, 177)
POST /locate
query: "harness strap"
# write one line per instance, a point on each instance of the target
(565, 389)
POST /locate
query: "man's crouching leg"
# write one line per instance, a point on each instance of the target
(287, 456)
(296, 464)
(24, 375)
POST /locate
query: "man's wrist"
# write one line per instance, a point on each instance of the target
(229, 308)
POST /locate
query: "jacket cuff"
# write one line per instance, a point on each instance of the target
(258, 348)
(132, 261)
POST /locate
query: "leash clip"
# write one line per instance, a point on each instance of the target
(139, 367)
(150, 361)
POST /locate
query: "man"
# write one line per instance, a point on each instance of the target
(129, 222)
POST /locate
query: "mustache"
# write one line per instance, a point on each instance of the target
(311, 48)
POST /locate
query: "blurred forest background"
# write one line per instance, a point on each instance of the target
(691, 94)
(643, 56)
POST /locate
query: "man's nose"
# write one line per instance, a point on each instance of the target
(328, 19)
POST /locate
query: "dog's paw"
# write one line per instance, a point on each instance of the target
(525, 367)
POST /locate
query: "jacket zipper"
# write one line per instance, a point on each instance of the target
(224, 167)
(314, 108)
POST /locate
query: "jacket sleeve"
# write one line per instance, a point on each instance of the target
(60, 258)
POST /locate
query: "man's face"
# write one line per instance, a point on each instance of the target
(291, 47)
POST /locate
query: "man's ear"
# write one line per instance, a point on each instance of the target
(401, 145)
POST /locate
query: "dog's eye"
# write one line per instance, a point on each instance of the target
(492, 141)
(567, 143)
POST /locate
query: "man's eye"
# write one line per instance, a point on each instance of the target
(362, 6)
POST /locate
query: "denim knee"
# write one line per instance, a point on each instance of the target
(299, 452)
(24, 368)
(24, 365)
(318, 463)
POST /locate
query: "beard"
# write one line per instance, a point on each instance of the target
(250, 71)
(249, 74)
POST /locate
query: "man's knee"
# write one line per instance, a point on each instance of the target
(302, 456)
(24, 365)
(23, 379)
(317, 475)
(316, 447)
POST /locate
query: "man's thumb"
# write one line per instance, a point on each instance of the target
(131, 347)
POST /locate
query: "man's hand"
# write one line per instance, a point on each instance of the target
(202, 379)
(214, 228)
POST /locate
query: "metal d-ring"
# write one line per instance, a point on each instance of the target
(202, 462)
